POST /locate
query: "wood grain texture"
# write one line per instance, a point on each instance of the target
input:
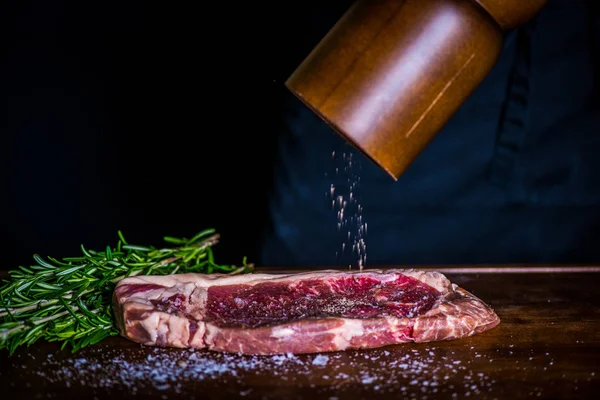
(547, 346)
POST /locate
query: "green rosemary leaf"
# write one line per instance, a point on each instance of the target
(85, 252)
(191, 255)
(32, 332)
(94, 261)
(14, 343)
(84, 341)
(139, 264)
(83, 308)
(55, 262)
(170, 239)
(122, 239)
(100, 335)
(138, 248)
(26, 270)
(69, 271)
(199, 235)
(32, 340)
(43, 263)
(26, 285)
(77, 294)
(9, 325)
(47, 286)
(68, 308)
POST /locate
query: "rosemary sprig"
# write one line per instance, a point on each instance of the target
(69, 300)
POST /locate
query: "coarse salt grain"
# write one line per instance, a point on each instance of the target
(320, 359)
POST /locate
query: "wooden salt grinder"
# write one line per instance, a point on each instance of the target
(390, 74)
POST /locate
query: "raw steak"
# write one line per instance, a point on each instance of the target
(297, 313)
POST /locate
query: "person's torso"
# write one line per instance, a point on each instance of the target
(514, 175)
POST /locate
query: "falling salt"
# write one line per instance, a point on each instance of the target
(349, 211)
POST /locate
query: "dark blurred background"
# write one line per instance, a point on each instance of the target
(164, 119)
(154, 118)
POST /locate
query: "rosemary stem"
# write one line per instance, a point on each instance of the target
(7, 333)
(51, 317)
(22, 325)
(39, 304)
(18, 310)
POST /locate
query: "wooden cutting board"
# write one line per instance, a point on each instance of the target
(546, 346)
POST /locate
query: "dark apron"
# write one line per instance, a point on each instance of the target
(514, 177)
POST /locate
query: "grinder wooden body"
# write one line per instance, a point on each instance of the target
(390, 74)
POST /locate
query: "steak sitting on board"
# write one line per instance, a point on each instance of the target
(297, 313)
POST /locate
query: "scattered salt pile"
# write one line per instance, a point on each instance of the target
(407, 371)
(165, 369)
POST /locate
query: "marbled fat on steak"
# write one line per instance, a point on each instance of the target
(297, 313)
